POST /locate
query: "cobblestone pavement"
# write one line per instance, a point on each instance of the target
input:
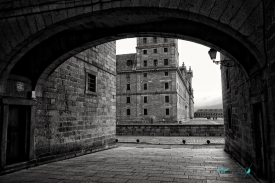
(175, 140)
(141, 163)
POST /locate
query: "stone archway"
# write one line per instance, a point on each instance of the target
(227, 25)
(37, 37)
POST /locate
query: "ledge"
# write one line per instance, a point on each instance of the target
(18, 101)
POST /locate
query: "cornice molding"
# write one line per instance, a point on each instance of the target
(146, 93)
(149, 70)
(156, 45)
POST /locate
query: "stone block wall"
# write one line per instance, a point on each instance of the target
(155, 97)
(270, 76)
(245, 119)
(171, 130)
(171, 54)
(236, 100)
(182, 97)
(67, 117)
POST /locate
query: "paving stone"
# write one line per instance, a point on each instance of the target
(131, 164)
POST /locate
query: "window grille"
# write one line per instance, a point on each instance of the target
(91, 83)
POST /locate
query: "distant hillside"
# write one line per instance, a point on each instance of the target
(217, 106)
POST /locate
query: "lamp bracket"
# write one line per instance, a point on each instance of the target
(225, 63)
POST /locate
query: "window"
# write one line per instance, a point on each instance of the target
(166, 85)
(144, 52)
(155, 51)
(145, 111)
(167, 111)
(155, 40)
(145, 86)
(145, 99)
(144, 40)
(128, 112)
(128, 100)
(155, 62)
(165, 49)
(166, 98)
(165, 61)
(128, 76)
(129, 62)
(128, 86)
(165, 40)
(227, 78)
(166, 73)
(91, 84)
(145, 75)
(145, 63)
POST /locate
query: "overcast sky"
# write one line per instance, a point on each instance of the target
(206, 75)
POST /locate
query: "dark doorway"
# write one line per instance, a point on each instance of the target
(18, 134)
(261, 159)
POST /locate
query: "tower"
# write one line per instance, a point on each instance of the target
(151, 87)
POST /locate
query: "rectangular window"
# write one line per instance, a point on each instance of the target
(165, 49)
(145, 112)
(128, 112)
(156, 62)
(144, 40)
(166, 98)
(155, 51)
(155, 40)
(128, 100)
(167, 111)
(145, 99)
(166, 85)
(165, 40)
(144, 52)
(145, 63)
(128, 86)
(145, 75)
(129, 62)
(227, 78)
(165, 61)
(166, 73)
(145, 86)
(91, 83)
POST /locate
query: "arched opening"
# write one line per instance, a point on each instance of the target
(35, 58)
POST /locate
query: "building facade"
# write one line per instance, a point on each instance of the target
(72, 113)
(209, 113)
(151, 87)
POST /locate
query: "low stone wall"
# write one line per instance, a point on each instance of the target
(171, 130)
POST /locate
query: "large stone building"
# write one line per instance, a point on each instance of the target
(151, 87)
(209, 113)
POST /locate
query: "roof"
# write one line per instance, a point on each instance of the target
(209, 110)
(124, 57)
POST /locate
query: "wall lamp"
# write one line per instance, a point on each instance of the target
(227, 63)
